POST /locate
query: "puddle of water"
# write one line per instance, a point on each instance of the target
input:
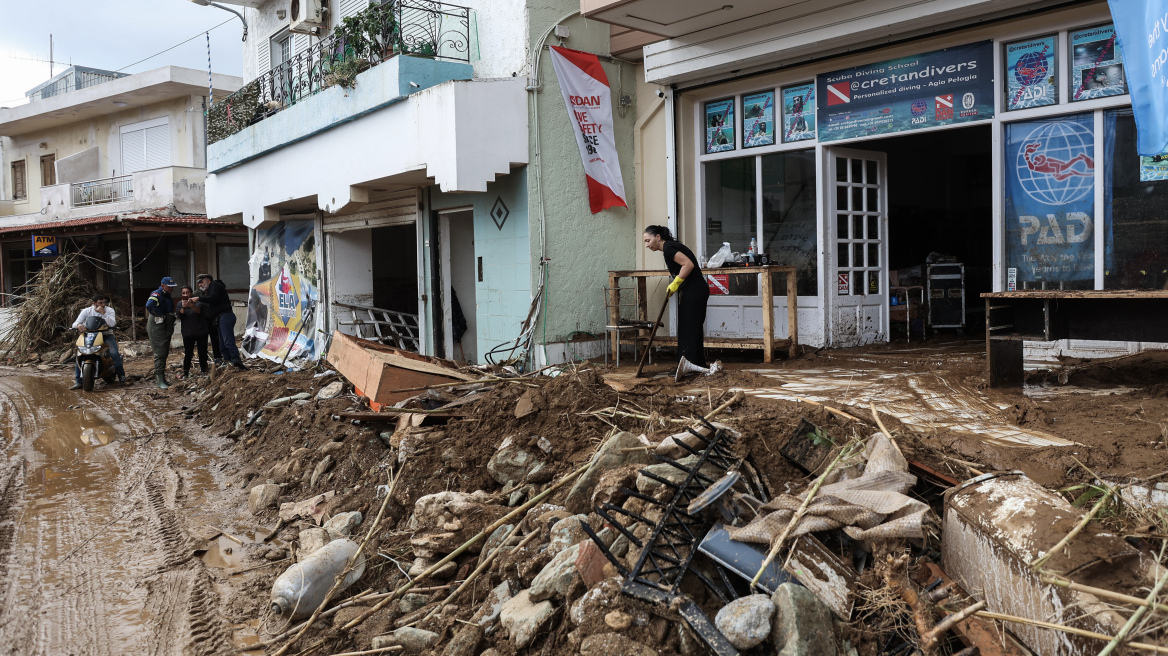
(223, 552)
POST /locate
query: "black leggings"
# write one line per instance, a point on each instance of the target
(189, 344)
(691, 322)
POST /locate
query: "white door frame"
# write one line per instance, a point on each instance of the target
(444, 254)
(859, 267)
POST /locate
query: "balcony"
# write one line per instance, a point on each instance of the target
(422, 28)
(180, 186)
(97, 192)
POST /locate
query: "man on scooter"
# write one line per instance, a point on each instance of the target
(99, 309)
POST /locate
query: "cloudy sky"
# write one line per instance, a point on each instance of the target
(112, 35)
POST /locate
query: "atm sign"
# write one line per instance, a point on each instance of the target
(44, 246)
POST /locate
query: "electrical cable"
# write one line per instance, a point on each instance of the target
(201, 33)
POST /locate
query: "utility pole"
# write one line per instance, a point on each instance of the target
(50, 56)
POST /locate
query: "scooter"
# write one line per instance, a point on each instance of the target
(93, 354)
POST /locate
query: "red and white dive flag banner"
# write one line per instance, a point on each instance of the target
(589, 101)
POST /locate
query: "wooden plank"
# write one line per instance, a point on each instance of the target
(768, 316)
(614, 309)
(642, 300)
(746, 343)
(792, 313)
(1081, 293)
(377, 369)
(979, 632)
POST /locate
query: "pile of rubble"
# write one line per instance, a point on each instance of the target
(551, 514)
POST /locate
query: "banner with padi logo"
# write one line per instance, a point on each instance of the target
(1050, 198)
(942, 87)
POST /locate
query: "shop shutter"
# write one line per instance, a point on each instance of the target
(263, 57)
(19, 180)
(395, 208)
(157, 146)
(48, 170)
(350, 8)
(133, 151)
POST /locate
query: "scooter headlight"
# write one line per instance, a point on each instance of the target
(87, 350)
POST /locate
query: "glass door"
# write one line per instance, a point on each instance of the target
(858, 214)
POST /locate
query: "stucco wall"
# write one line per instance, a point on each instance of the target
(581, 247)
(184, 116)
(504, 295)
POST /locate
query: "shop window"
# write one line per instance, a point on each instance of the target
(1135, 194)
(233, 270)
(1050, 203)
(731, 214)
(789, 233)
(48, 170)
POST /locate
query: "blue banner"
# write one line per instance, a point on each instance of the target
(1050, 198)
(1142, 27)
(942, 87)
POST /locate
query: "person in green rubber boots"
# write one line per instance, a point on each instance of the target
(160, 327)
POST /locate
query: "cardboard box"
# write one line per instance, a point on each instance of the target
(376, 370)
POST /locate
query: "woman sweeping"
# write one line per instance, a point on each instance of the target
(693, 293)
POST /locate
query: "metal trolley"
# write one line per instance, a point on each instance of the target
(945, 287)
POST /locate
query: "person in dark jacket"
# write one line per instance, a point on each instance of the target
(160, 327)
(217, 310)
(693, 293)
(194, 331)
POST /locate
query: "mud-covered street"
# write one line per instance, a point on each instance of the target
(98, 493)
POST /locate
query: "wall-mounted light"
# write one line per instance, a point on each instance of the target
(281, 14)
(118, 103)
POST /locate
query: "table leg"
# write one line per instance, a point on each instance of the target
(768, 316)
(792, 314)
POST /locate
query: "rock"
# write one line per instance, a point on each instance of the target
(332, 448)
(517, 497)
(620, 621)
(310, 540)
(67, 354)
(609, 457)
(670, 473)
(526, 404)
(613, 644)
(262, 497)
(590, 562)
(332, 390)
(422, 564)
(495, 539)
(412, 641)
(746, 621)
(276, 553)
(511, 464)
(566, 533)
(343, 524)
(321, 467)
(465, 641)
(44, 367)
(803, 626)
(489, 611)
(411, 602)
(596, 602)
(490, 652)
(522, 618)
(557, 578)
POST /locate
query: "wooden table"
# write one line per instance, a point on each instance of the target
(767, 342)
(1047, 315)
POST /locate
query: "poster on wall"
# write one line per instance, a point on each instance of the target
(720, 126)
(799, 112)
(1031, 73)
(1096, 64)
(1154, 168)
(758, 119)
(942, 87)
(283, 317)
(588, 98)
(1050, 199)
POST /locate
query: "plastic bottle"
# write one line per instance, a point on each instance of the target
(301, 588)
(752, 254)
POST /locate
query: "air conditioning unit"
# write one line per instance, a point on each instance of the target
(307, 16)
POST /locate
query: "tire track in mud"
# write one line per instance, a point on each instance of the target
(106, 568)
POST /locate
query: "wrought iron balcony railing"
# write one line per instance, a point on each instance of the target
(109, 190)
(412, 27)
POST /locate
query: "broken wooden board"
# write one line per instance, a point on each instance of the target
(825, 574)
(377, 371)
(979, 632)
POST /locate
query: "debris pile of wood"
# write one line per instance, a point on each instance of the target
(48, 304)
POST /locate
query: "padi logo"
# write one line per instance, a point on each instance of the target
(919, 107)
(1056, 165)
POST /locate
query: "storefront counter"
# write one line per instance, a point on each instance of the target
(1047, 315)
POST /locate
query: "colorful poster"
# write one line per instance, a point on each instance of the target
(719, 283)
(720, 125)
(943, 87)
(1096, 64)
(799, 112)
(589, 101)
(1142, 26)
(1050, 199)
(758, 119)
(283, 317)
(1154, 168)
(1031, 73)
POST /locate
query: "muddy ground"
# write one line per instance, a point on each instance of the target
(123, 518)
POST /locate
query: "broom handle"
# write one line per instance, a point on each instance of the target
(652, 334)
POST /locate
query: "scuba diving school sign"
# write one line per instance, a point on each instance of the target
(282, 303)
(1050, 199)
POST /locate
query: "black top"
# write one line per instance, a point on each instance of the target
(669, 249)
(215, 299)
(193, 323)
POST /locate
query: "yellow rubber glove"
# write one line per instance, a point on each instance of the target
(673, 286)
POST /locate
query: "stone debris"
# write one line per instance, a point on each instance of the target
(746, 621)
(523, 618)
(262, 497)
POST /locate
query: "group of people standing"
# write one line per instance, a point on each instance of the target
(204, 318)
